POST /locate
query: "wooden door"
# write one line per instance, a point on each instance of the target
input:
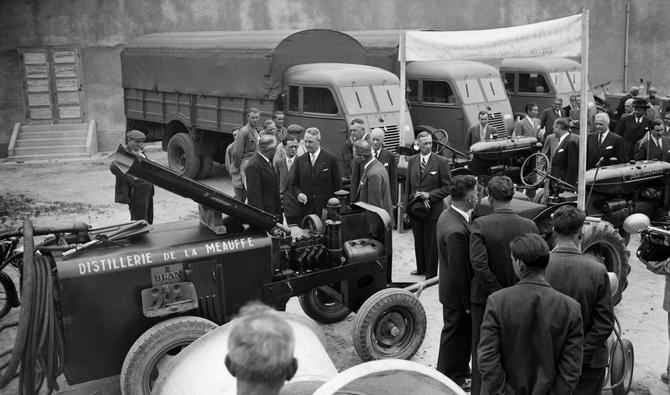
(52, 85)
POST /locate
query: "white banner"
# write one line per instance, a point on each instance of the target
(559, 37)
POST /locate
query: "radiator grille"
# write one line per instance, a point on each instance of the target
(391, 137)
(496, 120)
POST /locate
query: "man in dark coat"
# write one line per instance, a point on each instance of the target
(565, 159)
(316, 176)
(374, 186)
(604, 145)
(453, 240)
(489, 255)
(385, 157)
(262, 182)
(428, 178)
(585, 280)
(137, 194)
(532, 334)
(633, 127)
(480, 132)
(655, 147)
(549, 115)
(283, 165)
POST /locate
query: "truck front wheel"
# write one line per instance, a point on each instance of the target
(182, 156)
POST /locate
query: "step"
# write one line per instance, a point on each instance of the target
(77, 149)
(52, 135)
(26, 158)
(61, 127)
(55, 143)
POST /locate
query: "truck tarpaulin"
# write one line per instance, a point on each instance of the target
(230, 64)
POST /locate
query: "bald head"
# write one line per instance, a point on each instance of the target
(363, 149)
(634, 90)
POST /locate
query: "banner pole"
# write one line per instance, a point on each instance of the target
(401, 123)
(583, 113)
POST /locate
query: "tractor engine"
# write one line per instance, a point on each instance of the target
(502, 157)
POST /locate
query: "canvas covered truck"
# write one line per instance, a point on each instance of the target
(443, 94)
(190, 90)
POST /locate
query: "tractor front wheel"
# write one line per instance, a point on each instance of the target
(604, 243)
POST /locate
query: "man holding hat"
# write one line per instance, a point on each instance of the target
(633, 127)
(137, 194)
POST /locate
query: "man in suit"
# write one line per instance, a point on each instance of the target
(284, 166)
(528, 126)
(481, 131)
(585, 280)
(374, 186)
(620, 109)
(453, 241)
(137, 194)
(549, 115)
(489, 255)
(565, 159)
(428, 178)
(357, 131)
(604, 146)
(633, 127)
(316, 176)
(386, 157)
(262, 183)
(245, 144)
(532, 334)
(656, 146)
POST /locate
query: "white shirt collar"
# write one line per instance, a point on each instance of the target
(264, 157)
(605, 134)
(316, 154)
(465, 215)
(563, 138)
(426, 157)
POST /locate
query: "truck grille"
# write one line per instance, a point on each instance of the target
(391, 137)
(496, 120)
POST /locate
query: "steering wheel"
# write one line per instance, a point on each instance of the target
(440, 140)
(535, 176)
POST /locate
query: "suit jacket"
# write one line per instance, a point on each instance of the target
(290, 203)
(565, 160)
(263, 186)
(631, 132)
(387, 158)
(547, 118)
(245, 144)
(612, 147)
(123, 185)
(489, 251)
(453, 242)
(585, 280)
(374, 187)
(435, 180)
(655, 152)
(526, 128)
(531, 341)
(318, 182)
(473, 135)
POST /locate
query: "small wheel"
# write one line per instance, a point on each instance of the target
(390, 324)
(313, 223)
(151, 353)
(532, 178)
(206, 164)
(606, 245)
(322, 308)
(621, 369)
(182, 156)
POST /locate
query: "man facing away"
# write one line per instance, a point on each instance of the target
(374, 186)
(453, 241)
(489, 255)
(532, 334)
(137, 194)
(585, 280)
(262, 183)
(385, 157)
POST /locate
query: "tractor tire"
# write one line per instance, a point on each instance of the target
(621, 369)
(152, 351)
(390, 324)
(182, 156)
(322, 308)
(6, 290)
(206, 164)
(601, 240)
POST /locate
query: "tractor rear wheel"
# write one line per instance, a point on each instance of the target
(322, 308)
(601, 240)
(151, 353)
(182, 156)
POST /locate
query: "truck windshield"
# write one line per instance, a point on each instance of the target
(562, 81)
(387, 97)
(470, 91)
(493, 89)
(358, 99)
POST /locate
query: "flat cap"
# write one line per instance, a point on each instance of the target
(294, 129)
(136, 135)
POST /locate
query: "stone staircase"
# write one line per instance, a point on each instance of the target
(51, 142)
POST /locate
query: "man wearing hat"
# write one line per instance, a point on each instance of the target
(137, 194)
(633, 127)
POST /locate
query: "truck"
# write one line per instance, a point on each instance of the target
(446, 94)
(190, 90)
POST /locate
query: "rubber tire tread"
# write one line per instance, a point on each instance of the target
(604, 233)
(206, 164)
(310, 306)
(370, 312)
(185, 142)
(618, 368)
(7, 287)
(154, 340)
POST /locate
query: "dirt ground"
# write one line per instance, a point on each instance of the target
(64, 192)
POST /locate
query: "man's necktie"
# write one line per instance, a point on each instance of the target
(423, 165)
(312, 157)
(290, 162)
(377, 154)
(600, 138)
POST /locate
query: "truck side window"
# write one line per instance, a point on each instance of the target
(293, 98)
(413, 94)
(437, 92)
(318, 100)
(532, 83)
(509, 81)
